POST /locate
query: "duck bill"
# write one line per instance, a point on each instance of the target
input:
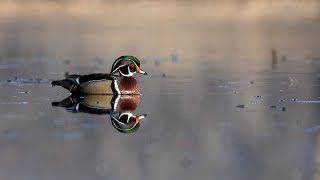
(140, 71)
(138, 118)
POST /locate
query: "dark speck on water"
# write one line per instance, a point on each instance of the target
(185, 162)
(23, 92)
(67, 62)
(157, 62)
(240, 106)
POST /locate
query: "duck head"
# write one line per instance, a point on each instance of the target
(126, 122)
(127, 66)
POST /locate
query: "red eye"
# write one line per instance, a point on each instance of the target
(131, 124)
(131, 65)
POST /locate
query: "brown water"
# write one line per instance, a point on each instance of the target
(228, 96)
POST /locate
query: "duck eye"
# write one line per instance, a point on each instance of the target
(131, 65)
(131, 124)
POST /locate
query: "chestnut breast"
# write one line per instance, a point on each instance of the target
(128, 85)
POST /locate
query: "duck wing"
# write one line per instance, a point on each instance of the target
(91, 77)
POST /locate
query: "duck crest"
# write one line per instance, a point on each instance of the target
(127, 85)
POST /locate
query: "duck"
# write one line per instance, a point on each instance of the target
(99, 104)
(120, 108)
(119, 81)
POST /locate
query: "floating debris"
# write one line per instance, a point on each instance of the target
(164, 75)
(278, 107)
(23, 92)
(236, 92)
(240, 106)
(251, 82)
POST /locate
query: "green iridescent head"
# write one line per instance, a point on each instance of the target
(127, 66)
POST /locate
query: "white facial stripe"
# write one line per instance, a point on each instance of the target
(115, 63)
(135, 63)
(117, 69)
(116, 126)
(115, 119)
(130, 73)
(115, 105)
(116, 86)
(77, 80)
(127, 113)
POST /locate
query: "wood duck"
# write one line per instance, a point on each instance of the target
(119, 107)
(99, 104)
(107, 84)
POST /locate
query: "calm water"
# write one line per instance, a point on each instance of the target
(225, 100)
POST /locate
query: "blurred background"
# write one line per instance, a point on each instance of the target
(232, 90)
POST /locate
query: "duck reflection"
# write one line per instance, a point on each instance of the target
(119, 107)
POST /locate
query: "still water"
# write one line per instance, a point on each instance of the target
(224, 100)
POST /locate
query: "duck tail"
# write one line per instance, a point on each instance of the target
(68, 102)
(67, 84)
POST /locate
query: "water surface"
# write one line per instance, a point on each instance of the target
(225, 99)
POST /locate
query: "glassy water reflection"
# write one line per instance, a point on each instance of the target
(226, 98)
(119, 107)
